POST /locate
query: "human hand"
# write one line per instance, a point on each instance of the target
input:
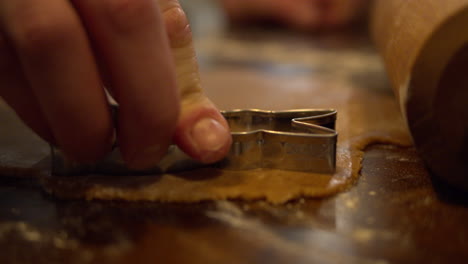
(57, 55)
(301, 14)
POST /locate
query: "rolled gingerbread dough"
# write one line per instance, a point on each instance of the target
(367, 115)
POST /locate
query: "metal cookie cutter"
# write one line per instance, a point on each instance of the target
(298, 140)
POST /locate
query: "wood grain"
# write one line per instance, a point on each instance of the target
(424, 45)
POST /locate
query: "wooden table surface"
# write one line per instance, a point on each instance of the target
(396, 212)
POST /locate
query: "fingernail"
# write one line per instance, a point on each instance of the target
(147, 158)
(208, 136)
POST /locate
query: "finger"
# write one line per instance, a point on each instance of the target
(58, 64)
(251, 10)
(336, 13)
(17, 93)
(201, 131)
(130, 37)
(299, 14)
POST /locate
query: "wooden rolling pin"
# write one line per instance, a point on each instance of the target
(424, 44)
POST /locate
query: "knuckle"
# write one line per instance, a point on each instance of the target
(177, 25)
(131, 15)
(36, 35)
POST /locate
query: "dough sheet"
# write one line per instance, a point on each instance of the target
(366, 115)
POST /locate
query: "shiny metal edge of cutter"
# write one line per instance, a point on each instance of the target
(297, 140)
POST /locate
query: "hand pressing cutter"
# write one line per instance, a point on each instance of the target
(298, 140)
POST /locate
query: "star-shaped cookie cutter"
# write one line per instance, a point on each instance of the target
(298, 140)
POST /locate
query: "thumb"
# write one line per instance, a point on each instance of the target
(201, 132)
